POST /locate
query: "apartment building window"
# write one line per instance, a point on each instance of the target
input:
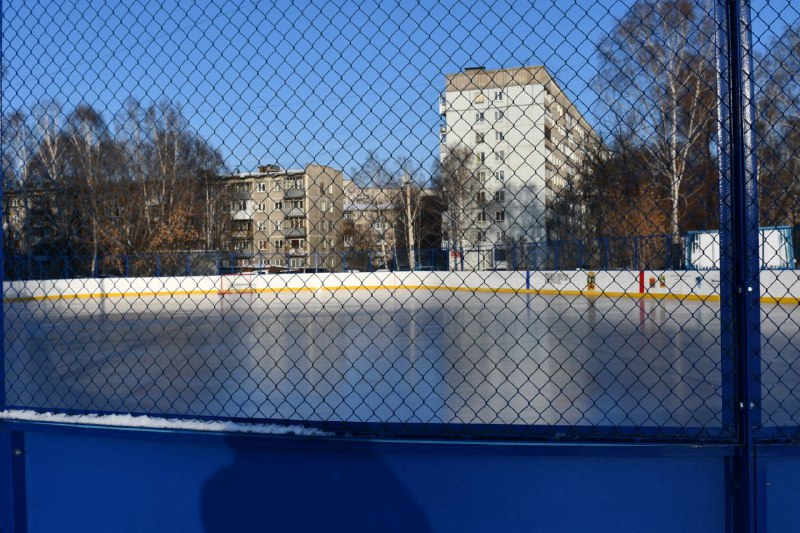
(279, 245)
(482, 157)
(480, 197)
(262, 245)
(297, 204)
(481, 176)
(296, 223)
(278, 206)
(241, 205)
(481, 236)
(570, 121)
(500, 156)
(499, 216)
(500, 196)
(500, 175)
(499, 114)
(324, 205)
(261, 187)
(547, 133)
(276, 186)
(261, 207)
(278, 224)
(297, 262)
(482, 216)
(499, 136)
(297, 243)
(262, 225)
(498, 96)
(479, 118)
(378, 225)
(242, 187)
(479, 137)
(330, 188)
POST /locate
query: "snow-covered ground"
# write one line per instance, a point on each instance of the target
(390, 356)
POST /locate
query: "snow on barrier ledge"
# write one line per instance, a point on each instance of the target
(777, 286)
(151, 422)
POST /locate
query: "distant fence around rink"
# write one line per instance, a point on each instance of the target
(776, 286)
(646, 252)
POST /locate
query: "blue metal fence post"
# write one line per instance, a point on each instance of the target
(158, 265)
(66, 267)
(636, 253)
(739, 257)
(127, 267)
(555, 251)
(605, 254)
(2, 317)
(668, 243)
(514, 256)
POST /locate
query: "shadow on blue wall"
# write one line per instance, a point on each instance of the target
(293, 490)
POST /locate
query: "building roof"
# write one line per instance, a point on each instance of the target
(479, 78)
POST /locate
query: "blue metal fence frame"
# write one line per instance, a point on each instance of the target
(740, 336)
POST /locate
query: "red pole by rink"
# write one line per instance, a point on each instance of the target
(641, 282)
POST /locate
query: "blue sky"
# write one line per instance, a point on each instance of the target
(324, 81)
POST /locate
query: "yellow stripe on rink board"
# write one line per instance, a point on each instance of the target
(355, 288)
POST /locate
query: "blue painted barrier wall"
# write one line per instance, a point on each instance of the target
(90, 479)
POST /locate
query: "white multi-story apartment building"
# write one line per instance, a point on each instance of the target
(524, 135)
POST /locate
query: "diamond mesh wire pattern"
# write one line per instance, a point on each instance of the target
(777, 70)
(483, 219)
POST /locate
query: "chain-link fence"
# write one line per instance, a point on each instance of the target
(474, 219)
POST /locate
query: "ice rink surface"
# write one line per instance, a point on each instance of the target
(392, 356)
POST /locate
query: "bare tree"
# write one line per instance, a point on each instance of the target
(457, 184)
(779, 131)
(656, 79)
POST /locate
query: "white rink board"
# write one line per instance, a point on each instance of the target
(775, 284)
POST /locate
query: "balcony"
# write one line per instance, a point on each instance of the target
(242, 235)
(240, 195)
(244, 214)
(294, 232)
(296, 251)
(294, 193)
(295, 212)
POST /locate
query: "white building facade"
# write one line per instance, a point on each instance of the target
(524, 134)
